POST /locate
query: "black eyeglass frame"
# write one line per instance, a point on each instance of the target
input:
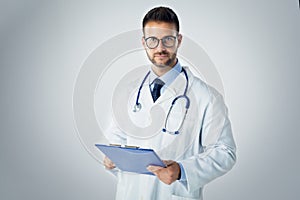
(162, 40)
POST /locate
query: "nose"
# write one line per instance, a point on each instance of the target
(160, 46)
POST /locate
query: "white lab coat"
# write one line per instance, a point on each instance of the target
(205, 146)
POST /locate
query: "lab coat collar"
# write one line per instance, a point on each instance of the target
(168, 77)
(176, 87)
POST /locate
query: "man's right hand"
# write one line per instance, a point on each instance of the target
(108, 163)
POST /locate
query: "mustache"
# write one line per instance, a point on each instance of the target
(161, 53)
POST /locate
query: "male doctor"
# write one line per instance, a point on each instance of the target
(197, 146)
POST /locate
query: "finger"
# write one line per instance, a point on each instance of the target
(109, 166)
(168, 162)
(108, 163)
(153, 168)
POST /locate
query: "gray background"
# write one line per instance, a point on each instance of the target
(254, 44)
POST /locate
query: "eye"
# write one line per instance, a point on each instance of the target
(169, 38)
(151, 39)
(169, 41)
(152, 42)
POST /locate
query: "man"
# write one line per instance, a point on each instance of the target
(199, 149)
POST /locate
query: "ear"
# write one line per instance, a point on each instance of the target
(179, 38)
(143, 42)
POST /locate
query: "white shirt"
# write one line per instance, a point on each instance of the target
(167, 78)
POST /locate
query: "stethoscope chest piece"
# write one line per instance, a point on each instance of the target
(137, 107)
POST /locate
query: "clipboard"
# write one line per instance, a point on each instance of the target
(131, 159)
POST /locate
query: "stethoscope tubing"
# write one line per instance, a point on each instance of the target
(137, 107)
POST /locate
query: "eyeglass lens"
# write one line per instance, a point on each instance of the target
(167, 41)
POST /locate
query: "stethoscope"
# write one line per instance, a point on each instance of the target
(138, 106)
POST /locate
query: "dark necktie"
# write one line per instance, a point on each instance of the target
(158, 84)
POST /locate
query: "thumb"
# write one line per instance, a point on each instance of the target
(153, 168)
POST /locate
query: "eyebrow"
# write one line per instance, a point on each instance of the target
(162, 37)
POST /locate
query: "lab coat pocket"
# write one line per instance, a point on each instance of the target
(180, 192)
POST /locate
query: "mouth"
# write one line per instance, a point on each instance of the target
(161, 55)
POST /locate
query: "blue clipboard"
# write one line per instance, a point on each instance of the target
(131, 159)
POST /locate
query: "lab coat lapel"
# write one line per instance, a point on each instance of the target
(146, 96)
(176, 88)
(167, 94)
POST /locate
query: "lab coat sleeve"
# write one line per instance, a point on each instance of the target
(218, 155)
(115, 136)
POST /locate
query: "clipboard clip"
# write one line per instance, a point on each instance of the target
(115, 145)
(131, 147)
(126, 146)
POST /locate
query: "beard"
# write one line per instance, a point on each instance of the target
(162, 64)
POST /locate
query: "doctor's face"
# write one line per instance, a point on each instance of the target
(161, 41)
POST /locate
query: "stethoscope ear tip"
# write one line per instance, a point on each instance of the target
(164, 130)
(176, 132)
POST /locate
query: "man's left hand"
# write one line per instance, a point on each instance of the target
(168, 174)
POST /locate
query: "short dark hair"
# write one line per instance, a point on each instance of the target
(163, 14)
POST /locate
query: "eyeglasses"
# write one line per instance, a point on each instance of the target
(167, 41)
